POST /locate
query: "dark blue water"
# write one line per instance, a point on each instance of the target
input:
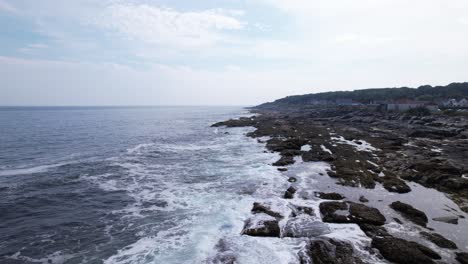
(122, 185)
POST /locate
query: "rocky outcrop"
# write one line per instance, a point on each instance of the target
(409, 212)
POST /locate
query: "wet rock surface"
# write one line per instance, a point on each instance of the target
(329, 251)
(414, 215)
(401, 251)
(349, 212)
(462, 258)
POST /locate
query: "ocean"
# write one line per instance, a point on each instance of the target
(124, 184)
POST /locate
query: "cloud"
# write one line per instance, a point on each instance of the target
(169, 27)
(4, 6)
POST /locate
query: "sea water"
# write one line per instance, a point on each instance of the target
(124, 184)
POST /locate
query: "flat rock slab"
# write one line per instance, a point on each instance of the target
(409, 212)
(405, 252)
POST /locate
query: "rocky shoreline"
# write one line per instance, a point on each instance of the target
(365, 149)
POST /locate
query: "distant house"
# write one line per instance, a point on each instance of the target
(405, 105)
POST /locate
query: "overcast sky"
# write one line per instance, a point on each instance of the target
(236, 52)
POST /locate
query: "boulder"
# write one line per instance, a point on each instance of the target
(261, 225)
(282, 169)
(439, 240)
(410, 213)
(405, 252)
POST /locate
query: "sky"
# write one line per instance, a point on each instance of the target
(223, 52)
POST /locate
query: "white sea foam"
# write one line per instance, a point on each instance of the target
(363, 146)
(31, 170)
(326, 149)
(54, 258)
(306, 148)
(139, 147)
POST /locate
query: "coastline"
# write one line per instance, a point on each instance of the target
(359, 161)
